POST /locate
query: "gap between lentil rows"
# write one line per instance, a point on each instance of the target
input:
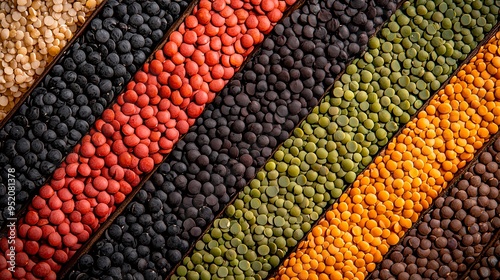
(233, 138)
(76, 91)
(404, 180)
(311, 169)
(140, 130)
(33, 32)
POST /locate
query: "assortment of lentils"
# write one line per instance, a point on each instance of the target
(413, 56)
(139, 130)
(388, 198)
(33, 33)
(76, 91)
(453, 234)
(233, 138)
(337, 140)
(488, 267)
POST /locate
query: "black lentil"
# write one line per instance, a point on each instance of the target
(238, 132)
(307, 172)
(78, 88)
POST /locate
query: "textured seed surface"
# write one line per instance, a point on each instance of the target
(32, 33)
(297, 169)
(140, 129)
(387, 198)
(77, 90)
(234, 137)
(450, 238)
(488, 267)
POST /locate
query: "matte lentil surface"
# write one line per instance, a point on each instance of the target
(233, 138)
(140, 129)
(336, 141)
(387, 198)
(33, 33)
(449, 238)
(488, 267)
(75, 93)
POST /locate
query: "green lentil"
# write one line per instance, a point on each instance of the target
(419, 48)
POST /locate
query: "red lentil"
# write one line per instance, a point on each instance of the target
(403, 181)
(157, 108)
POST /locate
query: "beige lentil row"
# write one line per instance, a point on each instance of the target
(32, 33)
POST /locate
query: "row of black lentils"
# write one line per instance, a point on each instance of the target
(79, 87)
(454, 233)
(234, 138)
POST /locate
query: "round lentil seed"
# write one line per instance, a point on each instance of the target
(31, 39)
(365, 211)
(70, 99)
(459, 229)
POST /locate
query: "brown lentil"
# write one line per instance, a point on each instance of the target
(488, 267)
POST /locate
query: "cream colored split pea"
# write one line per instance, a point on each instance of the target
(32, 33)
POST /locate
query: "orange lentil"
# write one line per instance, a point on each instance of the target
(416, 166)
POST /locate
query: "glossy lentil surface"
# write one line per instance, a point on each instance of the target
(454, 233)
(140, 129)
(233, 138)
(488, 267)
(334, 143)
(404, 180)
(32, 34)
(75, 93)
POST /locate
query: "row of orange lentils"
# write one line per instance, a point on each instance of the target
(403, 181)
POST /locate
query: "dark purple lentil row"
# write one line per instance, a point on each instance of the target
(76, 91)
(451, 236)
(233, 139)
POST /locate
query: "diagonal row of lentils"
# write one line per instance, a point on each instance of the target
(453, 234)
(233, 138)
(401, 183)
(415, 53)
(140, 129)
(83, 83)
